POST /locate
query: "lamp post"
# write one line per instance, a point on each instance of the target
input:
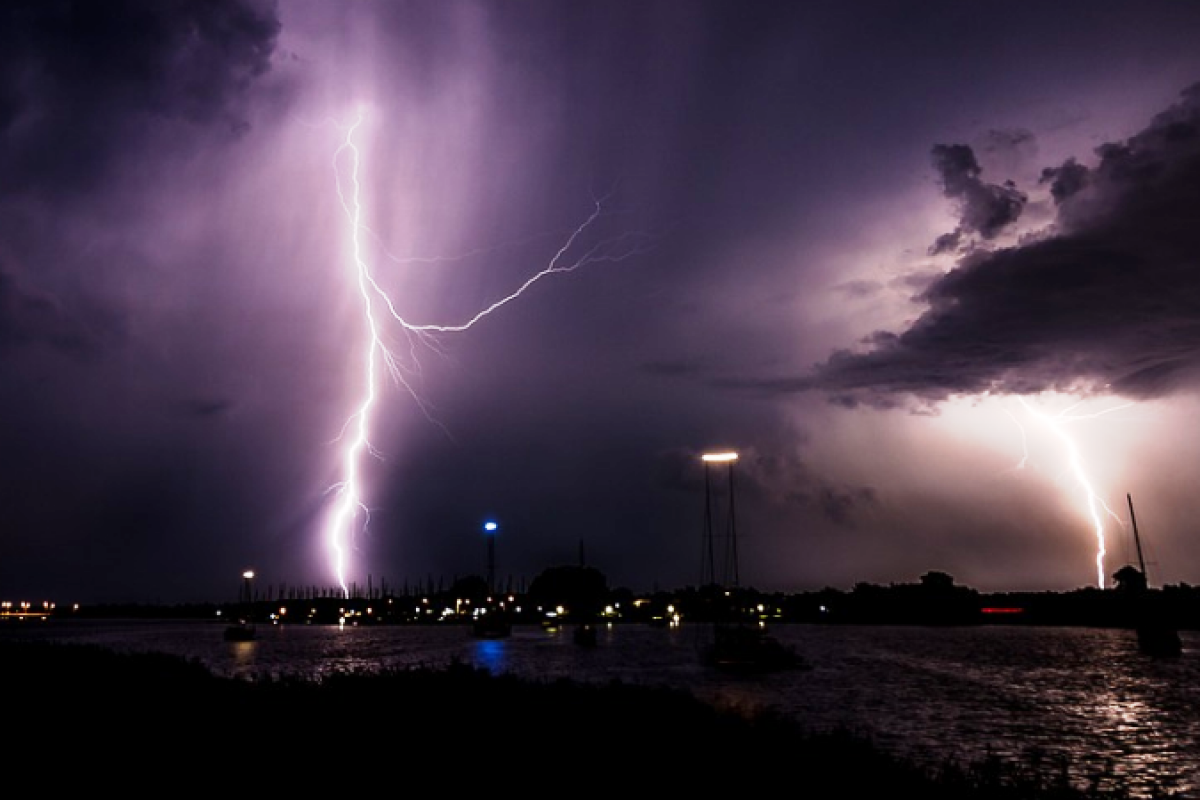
(490, 529)
(246, 576)
(731, 561)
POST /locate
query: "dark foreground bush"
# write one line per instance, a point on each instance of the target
(85, 718)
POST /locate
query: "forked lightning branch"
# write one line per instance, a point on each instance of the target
(382, 322)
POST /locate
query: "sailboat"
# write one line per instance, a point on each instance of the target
(492, 623)
(584, 633)
(738, 644)
(242, 629)
(1156, 636)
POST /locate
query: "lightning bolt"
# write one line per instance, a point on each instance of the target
(1024, 442)
(1096, 507)
(381, 318)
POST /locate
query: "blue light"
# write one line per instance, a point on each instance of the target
(490, 654)
(490, 527)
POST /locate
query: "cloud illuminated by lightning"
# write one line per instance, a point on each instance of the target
(1096, 507)
(382, 319)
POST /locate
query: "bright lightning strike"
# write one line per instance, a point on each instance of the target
(1097, 508)
(381, 315)
(1024, 442)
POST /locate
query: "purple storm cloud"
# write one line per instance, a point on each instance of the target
(896, 208)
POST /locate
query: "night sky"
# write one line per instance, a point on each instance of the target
(873, 247)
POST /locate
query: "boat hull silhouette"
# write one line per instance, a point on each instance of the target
(749, 649)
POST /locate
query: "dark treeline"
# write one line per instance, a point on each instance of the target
(575, 592)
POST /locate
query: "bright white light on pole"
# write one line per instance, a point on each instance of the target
(720, 456)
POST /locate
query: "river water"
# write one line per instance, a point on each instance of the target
(926, 693)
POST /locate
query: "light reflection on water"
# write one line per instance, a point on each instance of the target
(924, 692)
(489, 654)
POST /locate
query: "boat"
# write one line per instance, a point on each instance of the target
(747, 648)
(584, 632)
(737, 644)
(1156, 635)
(1159, 640)
(243, 629)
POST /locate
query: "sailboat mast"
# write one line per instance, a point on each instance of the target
(1136, 539)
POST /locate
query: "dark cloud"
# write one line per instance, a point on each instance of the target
(168, 185)
(1065, 180)
(95, 98)
(81, 81)
(986, 208)
(946, 243)
(1109, 300)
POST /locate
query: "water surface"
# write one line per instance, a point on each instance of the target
(929, 693)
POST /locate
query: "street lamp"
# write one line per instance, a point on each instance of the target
(490, 529)
(728, 458)
(247, 575)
